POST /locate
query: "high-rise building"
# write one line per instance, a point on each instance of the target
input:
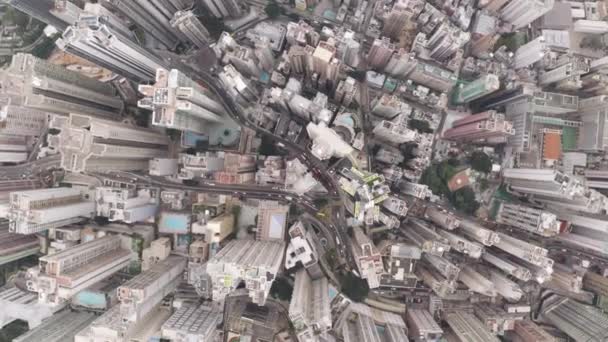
(37, 210)
(193, 323)
(398, 16)
(595, 283)
(190, 26)
(468, 328)
(153, 17)
(401, 63)
(106, 47)
(253, 262)
(529, 331)
(22, 121)
(380, 53)
(579, 321)
(127, 205)
(89, 144)
(223, 8)
(446, 268)
(593, 135)
(505, 287)
(530, 52)
(462, 245)
(442, 218)
(509, 267)
(524, 250)
(96, 14)
(367, 257)
(180, 103)
(422, 326)
(478, 233)
(394, 133)
(489, 127)
(35, 83)
(389, 106)
(422, 234)
(357, 322)
(477, 282)
(309, 310)
(480, 87)
(530, 219)
(433, 77)
(65, 273)
(520, 13)
(554, 188)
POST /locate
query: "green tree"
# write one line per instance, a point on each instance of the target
(464, 199)
(421, 126)
(481, 162)
(354, 287)
(282, 289)
(273, 10)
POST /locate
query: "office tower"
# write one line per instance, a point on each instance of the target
(529, 219)
(422, 326)
(357, 322)
(180, 103)
(367, 257)
(62, 326)
(530, 52)
(380, 53)
(528, 331)
(347, 92)
(153, 17)
(35, 83)
(595, 283)
(253, 262)
(442, 218)
(509, 267)
(399, 261)
(41, 10)
(426, 238)
(468, 328)
(90, 144)
(191, 27)
(65, 273)
(37, 210)
(389, 106)
(476, 282)
(223, 8)
(301, 248)
(478, 233)
(163, 166)
(401, 63)
(593, 135)
(326, 142)
(193, 323)
(554, 188)
(106, 47)
(447, 269)
(462, 245)
(433, 77)
(523, 250)
(127, 205)
(520, 13)
(579, 321)
(480, 87)
(200, 165)
(398, 16)
(489, 127)
(139, 295)
(272, 218)
(309, 310)
(394, 133)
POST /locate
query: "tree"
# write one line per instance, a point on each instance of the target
(481, 162)
(281, 289)
(354, 287)
(421, 126)
(464, 199)
(273, 10)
